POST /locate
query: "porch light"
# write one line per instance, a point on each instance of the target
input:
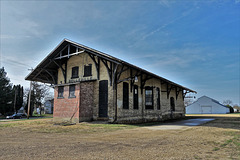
(136, 79)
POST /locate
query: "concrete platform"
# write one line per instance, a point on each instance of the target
(179, 125)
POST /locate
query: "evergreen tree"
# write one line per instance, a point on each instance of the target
(6, 94)
(18, 90)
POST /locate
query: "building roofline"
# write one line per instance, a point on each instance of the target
(88, 49)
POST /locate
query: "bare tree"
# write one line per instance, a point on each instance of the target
(227, 102)
(188, 101)
(38, 94)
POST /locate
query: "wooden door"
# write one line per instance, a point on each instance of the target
(103, 98)
(135, 97)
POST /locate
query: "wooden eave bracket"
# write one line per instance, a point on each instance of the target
(169, 88)
(109, 69)
(184, 92)
(96, 61)
(119, 74)
(178, 90)
(114, 75)
(143, 81)
(64, 71)
(60, 56)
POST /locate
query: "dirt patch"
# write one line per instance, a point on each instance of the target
(41, 139)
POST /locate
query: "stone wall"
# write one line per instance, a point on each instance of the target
(91, 109)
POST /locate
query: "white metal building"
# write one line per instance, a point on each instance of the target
(206, 105)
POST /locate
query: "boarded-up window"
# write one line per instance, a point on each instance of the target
(158, 98)
(172, 103)
(135, 97)
(60, 91)
(125, 95)
(148, 97)
(75, 72)
(72, 91)
(88, 70)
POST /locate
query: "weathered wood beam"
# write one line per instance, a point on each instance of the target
(68, 50)
(63, 70)
(52, 70)
(114, 76)
(69, 55)
(65, 76)
(60, 51)
(125, 79)
(96, 63)
(184, 92)
(132, 79)
(141, 81)
(169, 90)
(97, 54)
(109, 69)
(37, 73)
(41, 80)
(121, 71)
(54, 80)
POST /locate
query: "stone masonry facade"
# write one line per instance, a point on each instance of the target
(85, 107)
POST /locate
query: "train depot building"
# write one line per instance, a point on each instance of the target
(91, 85)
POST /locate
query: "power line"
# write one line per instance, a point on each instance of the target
(15, 62)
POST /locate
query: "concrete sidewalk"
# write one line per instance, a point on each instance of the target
(182, 124)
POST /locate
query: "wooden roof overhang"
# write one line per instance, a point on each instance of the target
(46, 71)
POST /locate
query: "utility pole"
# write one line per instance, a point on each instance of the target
(15, 98)
(29, 97)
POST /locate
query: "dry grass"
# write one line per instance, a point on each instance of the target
(48, 126)
(41, 139)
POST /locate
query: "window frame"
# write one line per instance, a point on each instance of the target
(70, 90)
(135, 106)
(125, 97)
(172, 103)
(150, 107)
(158, 99)
(60, 91)
(77, 75)
(86, 74)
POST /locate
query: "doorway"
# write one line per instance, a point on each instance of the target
(103, 98)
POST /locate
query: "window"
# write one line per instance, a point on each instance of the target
(88, 70)
(172, 104)
(135, 97)
(125, 96)
(75, 72)
(158, 98)
(60, 91)
(72, 91)
(148, 97)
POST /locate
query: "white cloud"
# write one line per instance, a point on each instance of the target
(184, 14)
(164, 3)
(10, 37)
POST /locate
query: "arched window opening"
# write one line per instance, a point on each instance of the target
(172, 104)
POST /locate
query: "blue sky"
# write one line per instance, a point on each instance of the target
(193, 43)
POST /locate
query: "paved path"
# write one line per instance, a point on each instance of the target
(183, 124)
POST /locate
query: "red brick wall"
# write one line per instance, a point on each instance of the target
(67, 107)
